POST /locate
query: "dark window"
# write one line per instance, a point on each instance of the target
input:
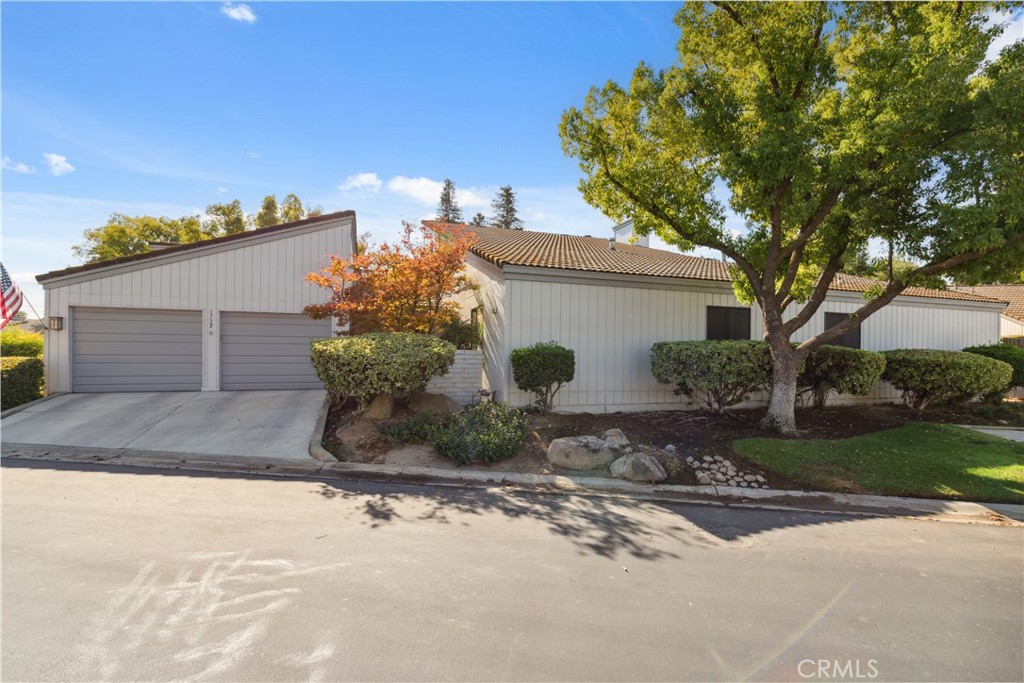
(474, 316)
(852, 337)
(728, 322)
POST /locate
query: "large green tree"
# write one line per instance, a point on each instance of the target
(506, 213)
(227, 219)
(825, 125)
(127, 235)
(448, 209)
(269, 213)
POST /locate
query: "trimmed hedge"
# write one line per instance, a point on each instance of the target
(15, 341)
(464, 334)
(1013, 355)
(842, 370)
(486, 433)
(367, 365)
(925, 376)
(21, 380)
(542, 369)
(717, 373)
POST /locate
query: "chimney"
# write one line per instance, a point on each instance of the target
(611, 243)
(623, 232)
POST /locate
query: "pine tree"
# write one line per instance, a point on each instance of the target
(448, 210)
(505, 213)
(268, 214)
(479, 220)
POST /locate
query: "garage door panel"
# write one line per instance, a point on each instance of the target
(136, 350)
(268, 350)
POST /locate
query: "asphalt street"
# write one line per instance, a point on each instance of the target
(124, 574)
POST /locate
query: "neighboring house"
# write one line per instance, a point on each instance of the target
(610, 301)
(1012, 323)
(220, 314)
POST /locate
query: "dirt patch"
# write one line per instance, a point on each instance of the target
(689, 433)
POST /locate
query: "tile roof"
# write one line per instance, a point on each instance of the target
(94, 265)
(1013, 294)
(574, 252)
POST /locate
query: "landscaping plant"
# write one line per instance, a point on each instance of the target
(542, 369)
(715, 373)
(15, 341)
(21, 380)
(417, 429)
(463, 333)
(1008, 353)
(926, 376)
(368, 365)
(842, 370)
(485, 433)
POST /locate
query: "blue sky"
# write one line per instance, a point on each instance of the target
(164, 108)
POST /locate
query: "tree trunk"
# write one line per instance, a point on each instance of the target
(781, 415)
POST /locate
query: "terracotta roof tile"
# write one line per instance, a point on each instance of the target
(1012, 294)
(574, 252)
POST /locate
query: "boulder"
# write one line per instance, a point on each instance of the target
(638, 467)
(582, 452)
(381, 408)
(435, 404)
(615, 436)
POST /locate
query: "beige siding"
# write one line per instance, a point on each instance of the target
(1010, 327)
(611, 324)
(266, 274)
(489, 297)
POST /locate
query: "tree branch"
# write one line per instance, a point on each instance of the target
(735, 16)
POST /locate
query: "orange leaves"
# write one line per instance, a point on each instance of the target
(401, 287)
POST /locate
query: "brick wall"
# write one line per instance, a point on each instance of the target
(464, 379)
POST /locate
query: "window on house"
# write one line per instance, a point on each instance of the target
(474, 317)
(852, 337)
(728, 322)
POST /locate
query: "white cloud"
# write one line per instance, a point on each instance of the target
(361, 181)
(428, 192)
(1013, 32)
(17, 166)
(58, 164)
(239, 12)
(254, 155)
(222, 190)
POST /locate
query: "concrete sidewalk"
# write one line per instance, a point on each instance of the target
(810, 501)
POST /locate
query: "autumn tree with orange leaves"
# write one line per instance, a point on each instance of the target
(403, 287)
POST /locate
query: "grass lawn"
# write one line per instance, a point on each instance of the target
(923, 460)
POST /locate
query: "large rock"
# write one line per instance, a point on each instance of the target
(381, 408)
(435, 404)
(638, 467)
(615, 436)
(582, 452)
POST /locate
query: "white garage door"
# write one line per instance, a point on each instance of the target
(268, 351)
(119, 349)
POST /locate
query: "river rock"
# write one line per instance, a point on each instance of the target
(638, 467)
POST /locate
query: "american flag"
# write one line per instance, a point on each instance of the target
(12, 298)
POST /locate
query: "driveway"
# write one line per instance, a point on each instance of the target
(258, 424)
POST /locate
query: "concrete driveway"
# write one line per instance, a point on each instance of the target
(257, 424)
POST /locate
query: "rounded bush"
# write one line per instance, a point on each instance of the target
(925, 376)
(21, 380)
(717, 373)
(486, 433)
(15, 341)
(1013, 355)
(842, 370)
(542, 369)
(367, 365)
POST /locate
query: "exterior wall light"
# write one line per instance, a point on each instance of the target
(56, 323)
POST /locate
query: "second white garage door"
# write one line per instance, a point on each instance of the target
(268, 351)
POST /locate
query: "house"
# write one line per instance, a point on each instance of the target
(610, 300)
(1012, 321)
(220, 314)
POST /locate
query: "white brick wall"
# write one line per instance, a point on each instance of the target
(464, 379)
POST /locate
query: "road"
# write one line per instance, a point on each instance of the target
(159, 575)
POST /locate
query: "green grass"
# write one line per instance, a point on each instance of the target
(923, 460)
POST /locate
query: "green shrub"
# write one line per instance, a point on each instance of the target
(486, 433)
(1014, 355)
(15, 341)
(842, 370)
(417, 429)
(542, 369)
(925, 376)
(367, 365)
(21, 380)
(716, 373)
(464, 334)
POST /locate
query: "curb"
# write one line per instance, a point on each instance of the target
(24, 406)
(725, 496)
(316, 450)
